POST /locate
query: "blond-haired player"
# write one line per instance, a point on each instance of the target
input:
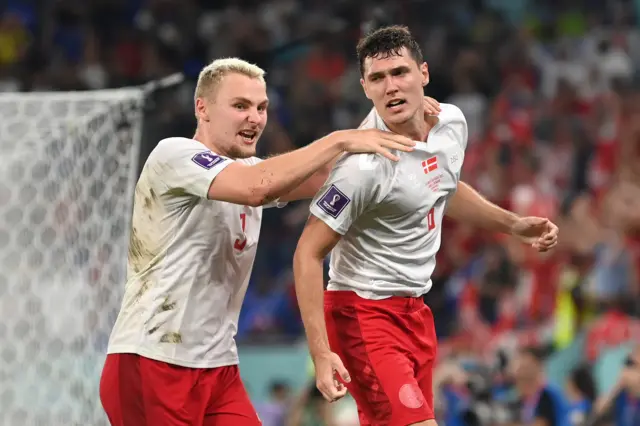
(172, 359)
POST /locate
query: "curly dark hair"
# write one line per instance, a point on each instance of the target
(385, 42)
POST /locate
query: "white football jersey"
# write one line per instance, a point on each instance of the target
(390, 213)
(190, 259)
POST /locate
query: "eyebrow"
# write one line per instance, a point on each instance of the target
(390, 71)
(248, 101)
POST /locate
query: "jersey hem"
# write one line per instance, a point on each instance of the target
(169, 360)
(376, 294)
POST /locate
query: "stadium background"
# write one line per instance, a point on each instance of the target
(550, 91)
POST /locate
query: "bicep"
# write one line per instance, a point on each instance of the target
(456, 202)
(237, 184)
(317, 239)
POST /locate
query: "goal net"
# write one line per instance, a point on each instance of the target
(68, 165)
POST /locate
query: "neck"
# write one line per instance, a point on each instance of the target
(416, 128)
(201, 136)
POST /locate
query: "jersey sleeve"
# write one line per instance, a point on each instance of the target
(355, 184)
(187, 165)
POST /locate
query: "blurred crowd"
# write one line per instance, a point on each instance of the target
(550, 90)
(512, 392)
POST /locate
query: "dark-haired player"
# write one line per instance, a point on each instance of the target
(381, 221)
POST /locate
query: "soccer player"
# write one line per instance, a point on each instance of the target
(380, 221)
(172, 359)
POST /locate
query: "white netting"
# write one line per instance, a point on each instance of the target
(67, 172)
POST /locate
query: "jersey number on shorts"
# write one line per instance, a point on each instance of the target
(431, 219)
(240, 244)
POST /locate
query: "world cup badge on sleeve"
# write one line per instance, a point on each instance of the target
(333, 201)
(207, 159)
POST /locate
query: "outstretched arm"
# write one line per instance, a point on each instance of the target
(312, 185)
(270, 179)
(468, 206)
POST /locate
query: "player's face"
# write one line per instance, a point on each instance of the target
(395, 86)
(238, 114)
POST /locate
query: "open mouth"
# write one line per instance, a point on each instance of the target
(395, 103)
(248, 136)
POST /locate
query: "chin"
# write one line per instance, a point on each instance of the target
(241, 152)
(398, 118)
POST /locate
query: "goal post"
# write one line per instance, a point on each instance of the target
(68, 167)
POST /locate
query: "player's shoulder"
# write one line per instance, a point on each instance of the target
(363, 164)
(452, 122)
(177, 144)
(179, 149)
(450, 114)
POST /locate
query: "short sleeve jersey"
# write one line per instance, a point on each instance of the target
(189, 262)
(390, 213)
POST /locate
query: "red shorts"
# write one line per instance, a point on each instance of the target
(389, 348)
(138, 391)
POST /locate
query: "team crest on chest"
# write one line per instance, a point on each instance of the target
(433, 172)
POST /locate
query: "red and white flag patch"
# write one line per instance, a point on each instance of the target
(430, 164)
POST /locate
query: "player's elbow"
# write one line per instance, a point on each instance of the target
(261, 190)
(258, 192)
(238, 193)
(257, 198)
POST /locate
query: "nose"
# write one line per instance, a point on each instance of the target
(253, 116)
(391, 88)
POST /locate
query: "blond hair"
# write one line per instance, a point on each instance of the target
(212, 74)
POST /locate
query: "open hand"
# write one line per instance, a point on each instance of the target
(539, 232)
(328, 367)
(373, 141)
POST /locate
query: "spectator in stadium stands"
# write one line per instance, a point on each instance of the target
(611, 329)
(309, 409)
(273, 412)
(581, 393)
(542, 403)
(626, 407)
(452, 399)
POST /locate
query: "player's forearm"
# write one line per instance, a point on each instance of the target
(307, 272)
(277, 176)
(468, 206)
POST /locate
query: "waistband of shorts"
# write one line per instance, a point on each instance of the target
(337, 298)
